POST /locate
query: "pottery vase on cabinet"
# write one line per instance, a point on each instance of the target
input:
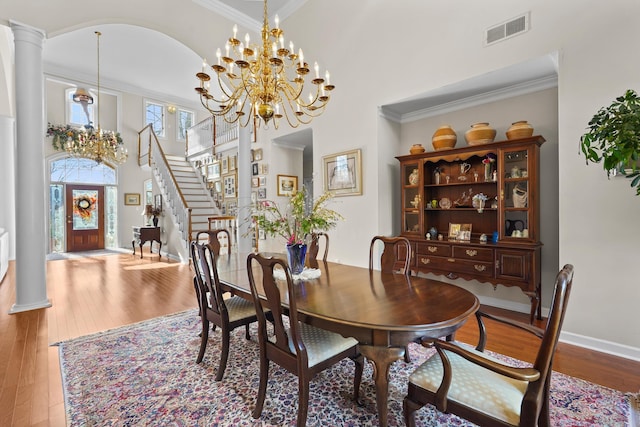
(480, 133)
(519, 129)
(444, 138)
(416, 149)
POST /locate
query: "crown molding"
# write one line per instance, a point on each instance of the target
(230, 13)
(473, 101)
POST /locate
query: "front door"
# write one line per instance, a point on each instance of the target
(85, 217)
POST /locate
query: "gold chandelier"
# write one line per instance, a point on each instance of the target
(96, 144)
(270, 78)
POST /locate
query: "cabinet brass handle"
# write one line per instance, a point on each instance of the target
(472, 252)
(425, 260)
(451, 259)
(432, 249)
(480, 267)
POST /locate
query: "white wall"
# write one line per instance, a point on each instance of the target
(382, 51)
(379, 53)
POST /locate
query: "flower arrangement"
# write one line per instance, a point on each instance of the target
(488, 162)
(296, 221)
(478, 201)
(489, 158)
(62, 134)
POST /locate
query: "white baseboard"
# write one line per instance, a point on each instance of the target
(603, 346)
(608, 347)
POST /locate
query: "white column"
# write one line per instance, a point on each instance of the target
(7, 178)
(244, 187)
(31, 233)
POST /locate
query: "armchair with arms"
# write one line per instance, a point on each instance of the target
(484, 390)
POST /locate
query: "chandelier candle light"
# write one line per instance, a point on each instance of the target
(269, 77)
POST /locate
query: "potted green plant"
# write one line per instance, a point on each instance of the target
(296, 222)
(614, 138)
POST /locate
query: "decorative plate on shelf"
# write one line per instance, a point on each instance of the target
(445, 203)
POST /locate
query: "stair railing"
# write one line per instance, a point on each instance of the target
(151, 153)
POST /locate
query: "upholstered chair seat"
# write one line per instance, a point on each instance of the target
(321, 344)
(480, 389)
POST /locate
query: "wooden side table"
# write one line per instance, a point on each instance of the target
(141, 235)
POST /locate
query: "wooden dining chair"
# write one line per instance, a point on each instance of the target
(395, 258)
(301, 349)
(216, 239)
(314, 246)
(396, 255)
(482, 389)
(227, 313)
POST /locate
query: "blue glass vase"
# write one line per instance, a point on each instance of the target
(296, 255)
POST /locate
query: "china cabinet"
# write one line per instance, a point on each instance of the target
(473, 213)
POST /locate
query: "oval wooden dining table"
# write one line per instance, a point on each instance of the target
(383, 311)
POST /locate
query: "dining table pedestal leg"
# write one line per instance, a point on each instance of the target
(382, 358)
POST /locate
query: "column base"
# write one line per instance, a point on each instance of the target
(18, 308)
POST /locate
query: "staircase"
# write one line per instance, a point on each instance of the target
(188, 202)
(197, 197)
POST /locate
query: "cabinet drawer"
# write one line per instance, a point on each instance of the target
(477, 268)
(429, 262)
(473, 253)
(455, 266)
(433, 249)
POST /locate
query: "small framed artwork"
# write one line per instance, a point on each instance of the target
(461, 232)
(225, 165)
(255, 182)
(213, 171)
(262, 181)
(229, 184)
(264, 169)
(257, 155)
(287, 185)
(261, 234)
(157, 202)
(343, 173)
(217, 186)
(232, 163)
(132, 199)
(262, 193)
(254, 169)
(254, 196)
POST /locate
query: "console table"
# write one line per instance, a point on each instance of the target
(141, 235)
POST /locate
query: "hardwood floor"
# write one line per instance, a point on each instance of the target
(103, 292)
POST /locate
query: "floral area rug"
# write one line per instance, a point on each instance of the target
(145, 375)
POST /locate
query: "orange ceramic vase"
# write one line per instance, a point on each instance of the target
(480, 133)
(520, 129)
(416, 149)
(444, 138)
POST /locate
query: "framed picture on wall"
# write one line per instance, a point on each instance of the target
(287, 185)
(131, 198)
(229, 184)
(343, 173)
(262, 193)
(225, 165)
(213, 171)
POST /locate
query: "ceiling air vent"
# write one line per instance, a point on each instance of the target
(507, 29)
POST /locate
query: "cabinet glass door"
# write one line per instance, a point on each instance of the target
(516, 194)
(411, 198)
